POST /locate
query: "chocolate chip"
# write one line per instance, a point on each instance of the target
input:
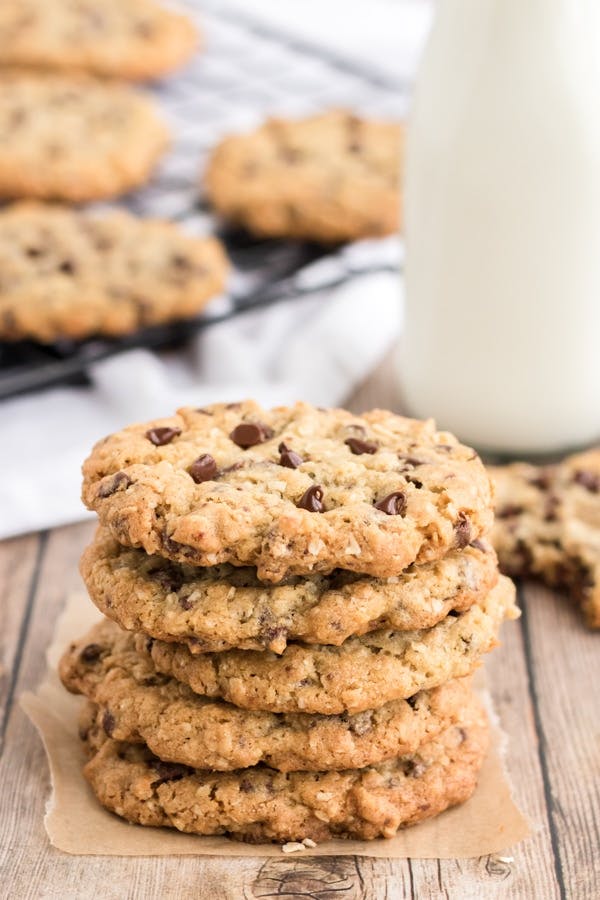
(312, 499)
(508, 511)
(411, 461)
(91, 653)
(289, 458)
(108, 722)
(551, 508)
(541, 481)
(478, 545)
(248, 434)
(361, 723)
(203, 469)
(169, 577)
(393, 504)
(246, 786)
(169, 772)
(414, 768)
(359, 447)
(119, 481)
(186, 603)
(589, 480)
(180, 262)
(67, 267)
(161, 436)
(462, 528)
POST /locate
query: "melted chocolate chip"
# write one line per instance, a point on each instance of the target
(508, 511)
(312, 499)
(119, 481)
(392, 505)
(203, 469)
(478, 545)
(359, 447)
(462, 529)
(186, 602)
(411, 461)
(169, 772)
(289, 458)
(414, 768)
(248, 434)
(91, 653)
(161, 436)
(108, 722)
(541, 481)
(589, 480)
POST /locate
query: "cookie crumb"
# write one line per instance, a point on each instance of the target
(308, 842)
(293, 847)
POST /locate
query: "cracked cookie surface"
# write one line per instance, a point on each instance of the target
(139, 705)
(65, 273)
(261, 804)
(548, 525)
(223, 607)
(131, 39)
(365, 672)
(331, 177)
(74, 139)
(291, 491)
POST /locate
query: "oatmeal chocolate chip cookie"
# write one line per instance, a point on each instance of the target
(132, 39)
(291, 491)
(65, 273)
(548, 525)
(364, 673)
(332, 177)
(139, 705)
(261, 804)
(74, 139)
(223, 607)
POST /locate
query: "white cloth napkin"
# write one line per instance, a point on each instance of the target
(316, 349)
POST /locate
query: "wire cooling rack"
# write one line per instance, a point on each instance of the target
(246, 72)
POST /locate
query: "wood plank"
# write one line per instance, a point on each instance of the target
(35, 869)
(531, 874)
(19, 558)
(564, 667)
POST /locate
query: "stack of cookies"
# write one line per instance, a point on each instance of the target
(295, 601)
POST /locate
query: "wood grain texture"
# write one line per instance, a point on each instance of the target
(543, 679)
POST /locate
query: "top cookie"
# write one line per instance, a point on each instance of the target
(332, 177)
(74, 139)
(548, 525)
(64, 273)
(290, 491)
(133, 39)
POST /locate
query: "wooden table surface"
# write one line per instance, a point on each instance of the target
(545, 681)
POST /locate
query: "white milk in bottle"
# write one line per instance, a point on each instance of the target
(502, 212)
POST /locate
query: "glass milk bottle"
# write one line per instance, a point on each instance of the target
(502, 211)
